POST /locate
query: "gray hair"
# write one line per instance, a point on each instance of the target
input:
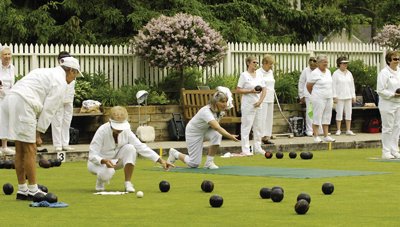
(321, 57)
(218, 96)
(67, 69)
(5, 48)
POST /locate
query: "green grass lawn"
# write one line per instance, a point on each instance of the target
(369, 200)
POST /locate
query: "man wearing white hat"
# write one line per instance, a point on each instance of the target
(114, 146)
(28, 109)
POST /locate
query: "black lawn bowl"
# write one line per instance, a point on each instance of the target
(327, 188)
(276, 195)
(207, 186)
(57, 162)
(265, 193)
(277, 187)
(398, 90)
(8, 189)
(51, 198)
(304, 196)
(39, 197)
(258, 88)
(164, 186)
(43, 188)
(7, 165)
(301, 206)
(216, 201)
(305, 155)
(279, 155)
(292, 154)
(310, 155)
(1, 165)
(52, 162)
(268, 154)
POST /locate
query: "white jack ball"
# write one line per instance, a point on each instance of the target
(139, 194)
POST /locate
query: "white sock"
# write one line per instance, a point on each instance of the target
(210, 158)
(22, 187)
(33, 188)
(127, 182)
(176, 154)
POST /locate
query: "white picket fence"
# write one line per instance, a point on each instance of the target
(123, 68)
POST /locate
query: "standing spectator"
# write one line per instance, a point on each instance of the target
(389, 105)
(250, 105)
(319, 85)
(344, 94)
(62, 120)
(305, 95)
(268, 102)
(204, 126)
(7, 79)
(39, 96)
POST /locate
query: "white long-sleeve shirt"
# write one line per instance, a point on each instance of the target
(69, 97)
(104, 146)
(44, 91)
(343, 85)
(7, 78)
(388, 82)
(269, 81)
(303, 92)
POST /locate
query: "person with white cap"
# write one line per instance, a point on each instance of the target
(344, 94)
(28, 109)
(204, 126)
(114, 146)
(7, 80)
(62, 121)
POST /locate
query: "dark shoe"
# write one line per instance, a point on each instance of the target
(22, 195)
(31, 194)
(267, 142)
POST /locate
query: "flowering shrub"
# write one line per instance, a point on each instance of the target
(180, 41)
(389, 37)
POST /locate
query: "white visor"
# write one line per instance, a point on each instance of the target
(345, 61)
(118, 125)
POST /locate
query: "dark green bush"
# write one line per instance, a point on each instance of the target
(363, 75)
(286, 85)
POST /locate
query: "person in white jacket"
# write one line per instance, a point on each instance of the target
(250, 105)
(267, 105)
(7, 78)
(389, 105)
(28, 109)
(204, 126)
(114, 146)
(344, 94)
(319, 85)
(305, 96)
(62, 121)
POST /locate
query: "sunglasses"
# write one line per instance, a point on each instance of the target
(313, 60)
(396, 59)
(255, 62)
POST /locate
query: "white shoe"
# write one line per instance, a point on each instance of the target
(317, 140)
(100, 185)
(395, 154)
(129, 187)
(171, 157)
(58, 149)
(7, 150)
(329, 139)
(259, 152)
(387, 155)
(210, 165)
(68, 148)
(248, 153)
(338, 133)
(309, 133)
(350, 133)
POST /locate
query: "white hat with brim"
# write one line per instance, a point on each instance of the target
(118, 125)
(72, 63)
(345, 61)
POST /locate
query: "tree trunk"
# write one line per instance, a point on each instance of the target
(373, 27)
(180, 69)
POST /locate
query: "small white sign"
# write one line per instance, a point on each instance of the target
(61, 155)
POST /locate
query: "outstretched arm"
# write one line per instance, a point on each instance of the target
(217, 127)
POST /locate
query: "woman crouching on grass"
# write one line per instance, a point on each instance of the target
(204, 126)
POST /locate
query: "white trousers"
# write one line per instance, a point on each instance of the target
(60, 125)
(322, 110)
(390, 115)
(128, 155)
(309, 120)
(346, 105)
(194, 143)
(251, 117)
(267, 119)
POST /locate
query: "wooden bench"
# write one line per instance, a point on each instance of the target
(194, 100)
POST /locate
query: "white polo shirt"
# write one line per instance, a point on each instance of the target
(199, 123)
(269, 81)
(322, 83)
(387, 83)
(247, 82)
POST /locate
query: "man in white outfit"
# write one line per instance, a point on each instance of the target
(114, 146)
(389, 105)
(28, 109)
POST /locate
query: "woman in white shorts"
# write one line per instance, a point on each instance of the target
(344, 94)
(319, 85)
(250, 105)
(204, 126)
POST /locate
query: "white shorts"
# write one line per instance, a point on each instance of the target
(343, 104)
(18, 121)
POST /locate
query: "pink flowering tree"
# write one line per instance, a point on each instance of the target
(389, 37)
(178, 42)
